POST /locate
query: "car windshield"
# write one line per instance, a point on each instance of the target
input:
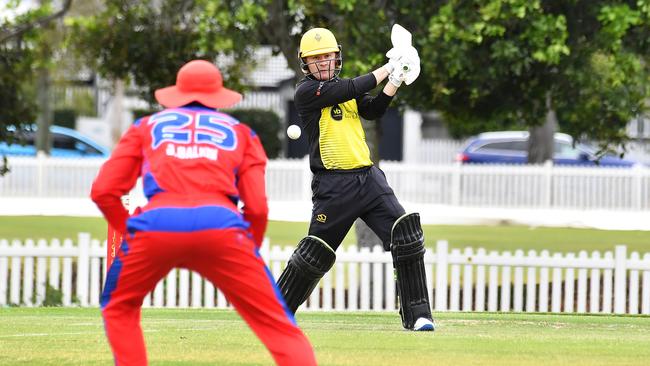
(511, 146)
(565, 149)
(64, 144)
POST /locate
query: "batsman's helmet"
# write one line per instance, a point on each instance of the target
(318, 41)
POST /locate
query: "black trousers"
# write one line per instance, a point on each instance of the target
(340, 197)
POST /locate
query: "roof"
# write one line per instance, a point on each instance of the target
(496, 135)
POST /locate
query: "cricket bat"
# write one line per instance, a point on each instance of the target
(402, 39)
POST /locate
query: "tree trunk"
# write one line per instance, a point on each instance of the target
(541, 144)
(278, 32)
(45, 115)
(365, 236)
(117, 112)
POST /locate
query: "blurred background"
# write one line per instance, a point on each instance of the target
(526, 112)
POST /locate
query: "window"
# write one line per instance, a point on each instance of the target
(510, 146)
(566, 150)
(63, 142)
(70, 143)
(86, 148)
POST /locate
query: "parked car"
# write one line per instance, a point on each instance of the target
(66, 143)
(511, 147)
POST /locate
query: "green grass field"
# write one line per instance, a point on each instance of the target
(74, 336)
(289, 233)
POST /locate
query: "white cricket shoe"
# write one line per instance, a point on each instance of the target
(423, 324)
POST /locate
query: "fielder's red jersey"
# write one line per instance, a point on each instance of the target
(196, 164)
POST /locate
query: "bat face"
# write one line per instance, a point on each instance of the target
(400, 37)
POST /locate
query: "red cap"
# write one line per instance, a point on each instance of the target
(198, 81)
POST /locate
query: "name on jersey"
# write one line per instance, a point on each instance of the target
(191, 152)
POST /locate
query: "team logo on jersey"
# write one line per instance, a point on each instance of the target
(336, 113)
(321, 218)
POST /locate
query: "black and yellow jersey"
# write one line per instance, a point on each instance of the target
(329, 112)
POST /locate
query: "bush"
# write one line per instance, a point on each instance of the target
(53, 297)
(266, 124)
(139, 113)
(65, 118)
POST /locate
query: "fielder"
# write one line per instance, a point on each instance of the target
(346, 185)
(195, 164)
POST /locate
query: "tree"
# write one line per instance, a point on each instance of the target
(146, 42)
(486, 64)
(503, 63)
(22, 48)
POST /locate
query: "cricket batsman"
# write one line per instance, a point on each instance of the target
(346, 185)
(196, 163)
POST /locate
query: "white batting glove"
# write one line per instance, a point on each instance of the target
(393, 64)
(409, 62)
(396, 77)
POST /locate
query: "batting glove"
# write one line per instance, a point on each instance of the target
(396, 77)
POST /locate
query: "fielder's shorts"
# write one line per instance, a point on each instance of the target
(226, 257)
(342, 196)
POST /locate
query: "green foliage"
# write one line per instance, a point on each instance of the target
(25, 46)
(139, 113)
(17, 55)
(486, 64)
(81, 100)
(490, 64)
(65, 117)
(145, 43)
(266, 124)
(17, 107)
(53, 297)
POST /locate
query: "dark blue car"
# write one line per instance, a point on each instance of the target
(66, 143)
(511, 147)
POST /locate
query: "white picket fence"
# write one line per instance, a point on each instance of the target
(549, 187)
(361, 279)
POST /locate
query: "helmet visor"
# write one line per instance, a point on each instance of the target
(317, 70)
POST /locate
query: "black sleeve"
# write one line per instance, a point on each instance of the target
(315, 95)
(373, 107)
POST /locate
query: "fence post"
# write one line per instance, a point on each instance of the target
(548, 184)
(306, 180)
(637, 187)
(620, 278)
(456, 172)
(83, 266)
(442, 254)
(41, 160)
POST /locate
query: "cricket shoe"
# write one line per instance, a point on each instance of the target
(423, 325)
